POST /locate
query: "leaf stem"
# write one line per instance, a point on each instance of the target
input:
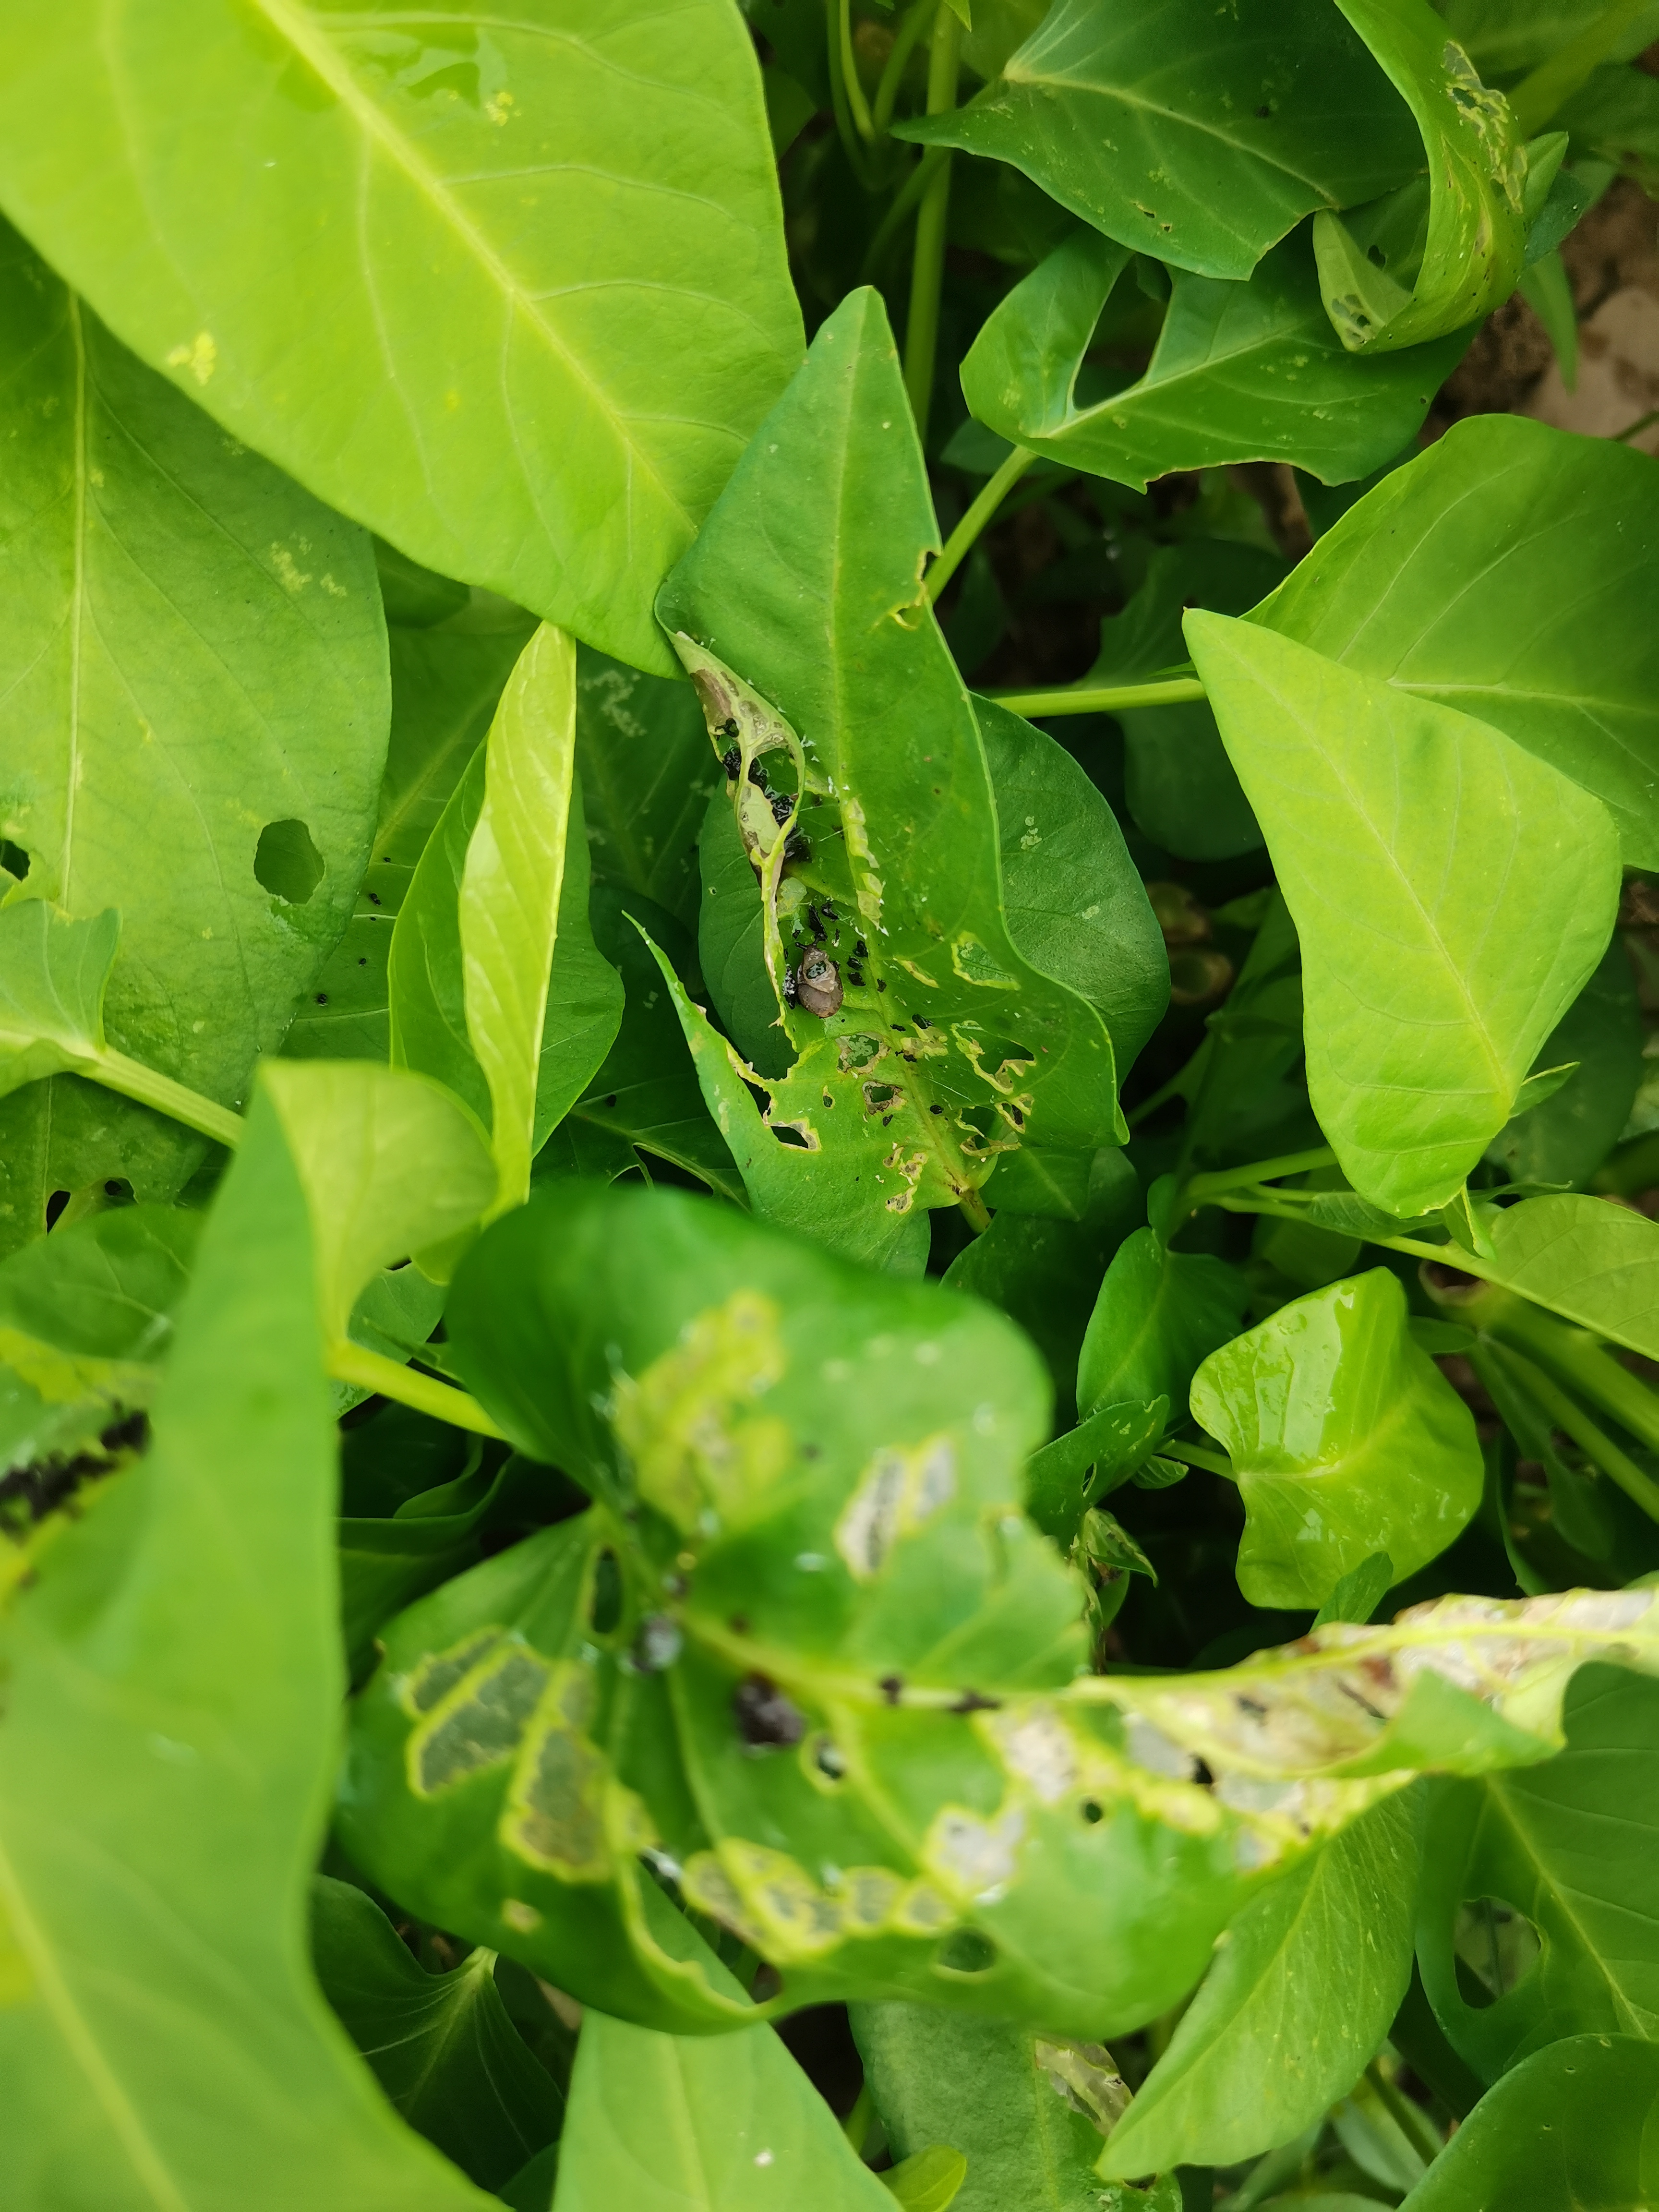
(1567, 1415)
(1213, 1462)
(1202, 1189)
(1100, 698)
(928, 265)
(904, 201)
(349, 1362)
(912, 24)
(1635, 429)
(975, 1211)
(845, 128)
(957, 544)
(151, 1088)
(857, 105)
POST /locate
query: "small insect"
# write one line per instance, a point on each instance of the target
(783, 805)
(732, 761)
(817, 983)
(767, 1719)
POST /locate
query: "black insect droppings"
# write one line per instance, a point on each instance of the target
(891, 1688)
(767, 1718)
(732, 761)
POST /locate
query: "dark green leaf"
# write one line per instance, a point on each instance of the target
(1505, 37)
(1504, 572)
(174, 1692)
(1159, 1314)
(642, 755)
(1566, 1137)
(1346, 1440)
(1197, 138)
(1358, 1594)
(442, 2045)
(1240, 373)
(1452, 894)
(547, 274)
(1615, 117)
(1114, 1439)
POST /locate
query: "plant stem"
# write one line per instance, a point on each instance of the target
(1635, 429)
(1413, 2121)
(1567, 1415)
(1100, 698)
(912, 24)
(927, 267)
(856, 102)
(1203, 1188)
(845, 128)
(150, 1088)
(1213, 1462)
(975, 1211)
(371, 1370)
(959, 543)
(904, 200)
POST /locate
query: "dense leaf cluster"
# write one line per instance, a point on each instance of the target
(864, 1133)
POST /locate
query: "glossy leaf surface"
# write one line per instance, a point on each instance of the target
(1240, 373)
(1452, 894)
(1586, 1258)
(164, 2043)
(1503, 572)
(1158, 1315)
(1346, 1440)
(1199, 139)
(193, 665)
(1303, 1990)
(551, 304)
(441, 2046)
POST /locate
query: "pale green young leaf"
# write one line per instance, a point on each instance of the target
(442, 2046)
(390, 1162)
(1568, 1851)
(1573, 2127)
(1593, 1260)
(928, 2180)
(164, 2045)
(192, 667)
(1452, 894)
(1450, 261)
(1240, 373)
(1303, 1987)
(1346, 1440)
(548, 302)
(1505, 572)
(1197, 138)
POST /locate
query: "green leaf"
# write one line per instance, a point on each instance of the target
(1075, 904)
(1358, 1594)
(1615, 118)
(1346, 1440)
(173, 1690)
(1114, 1439)
(1573, 2127)
(86, 1315)
(1196, 138)
(1565, 1137)
(645, 1099)
(1240, 1104)
(1026, 2112)
(643, 755)
(447, 677)
(1305, 1985)
(1444, 931)
(1240, 373)
(1504, 37)
(1505, 572)
(1421, 265)
(551, 303)
(390, 1164)
(1159, 1314)
(800, 610)
(1588, 1258)
(687, 2124)
(442, 2045)
(928, 2180)
(192, 668)
(484, 997)
(1567, 1849)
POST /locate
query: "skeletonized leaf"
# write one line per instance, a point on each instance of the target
(1452, 895)
(544, 263)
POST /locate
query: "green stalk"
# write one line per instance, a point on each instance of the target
(912, 24)
(1553, 83)
(845, 128)
(975, 1211)
(1100, 698)
(150, 1088)
(1202, 1190)
(1213, 1462)
(927, 267)
(371, 1370)
(857, 105)
(1567, 1415)
(904, 201)
(959, 544)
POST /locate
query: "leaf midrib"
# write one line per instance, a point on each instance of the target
(320, 55)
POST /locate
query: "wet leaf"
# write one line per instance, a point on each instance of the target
(592, 221)
(1346, 1440)
(1452, 894)
(1198, 139)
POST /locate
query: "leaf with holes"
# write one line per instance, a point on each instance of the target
(546, 262)
(163, 2041)
(1452, 894)
(800, 615)
(1198, 138)
(193, 666)
(1346, 1440)
(1240, 373)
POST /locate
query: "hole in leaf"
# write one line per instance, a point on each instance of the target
(1092, 1813)
(965, 1951)
(1494, 1948)
(788, 1132)
(13, 859)
(55, 1206)
(286, 863)
(605, 1606)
